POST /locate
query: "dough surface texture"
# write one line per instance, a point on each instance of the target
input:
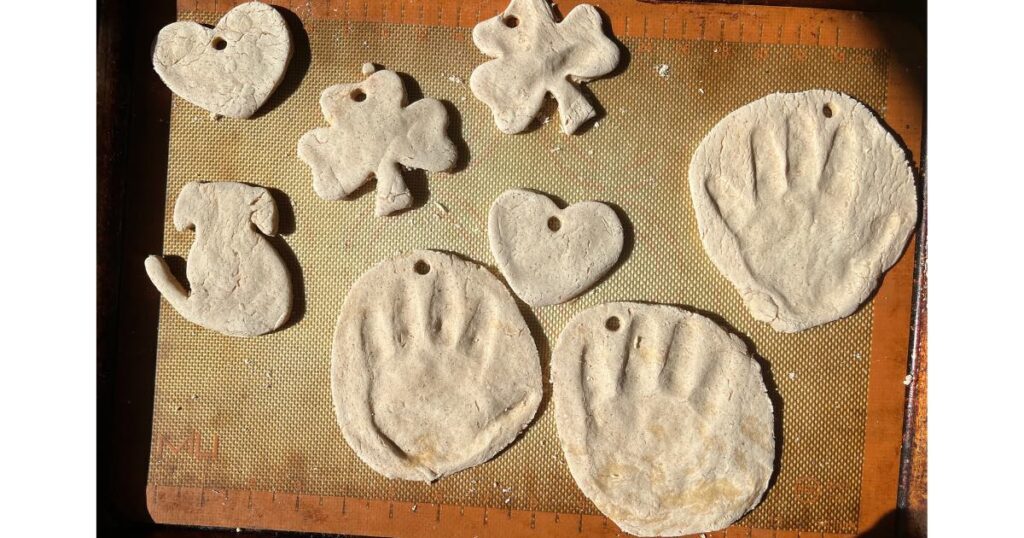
(371, 133)
(534, 55)
(802, 200)
(550, 255)
(433, 368)
(231, 69)
(663, 418)
(239, 284)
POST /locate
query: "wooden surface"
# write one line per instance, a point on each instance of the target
(133, 109)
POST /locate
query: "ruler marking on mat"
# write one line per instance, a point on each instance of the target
(607, 528)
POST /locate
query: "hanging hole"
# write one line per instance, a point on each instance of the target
(827, 111)
(510, 21)
(421, 267)
(554, 224)
(612, 324)
(358, 95)
(218, 43)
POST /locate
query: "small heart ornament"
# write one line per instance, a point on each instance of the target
(550, 255)
(230, 69)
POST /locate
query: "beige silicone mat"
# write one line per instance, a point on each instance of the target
(259, 410)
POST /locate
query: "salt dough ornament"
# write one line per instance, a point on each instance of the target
(802, 200)
(535, 55)
(371, 133)
(239, 284)
(550, 255)
(433, 368)
(663, 417)
(230, 69)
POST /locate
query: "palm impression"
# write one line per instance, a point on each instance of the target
(802, 200)
(433, 369)
(663, 417)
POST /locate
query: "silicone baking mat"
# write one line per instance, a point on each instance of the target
(238, 420)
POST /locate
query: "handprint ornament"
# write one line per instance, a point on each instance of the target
(371, 133)
(663, 417)
(534, 55)
(802, 201)
(433, 368)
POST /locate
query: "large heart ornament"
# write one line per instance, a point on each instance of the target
(550, 255)
(230, 69)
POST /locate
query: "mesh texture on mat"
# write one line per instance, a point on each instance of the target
(261, 408)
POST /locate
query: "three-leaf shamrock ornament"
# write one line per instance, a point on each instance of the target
(371, 132)
(534, 55)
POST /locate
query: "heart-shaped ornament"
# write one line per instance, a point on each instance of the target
(230, 69)
(550, 255)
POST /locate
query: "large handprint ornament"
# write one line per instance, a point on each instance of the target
(433, 368)
(663, 417)
(803, 200)
(533, 56)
